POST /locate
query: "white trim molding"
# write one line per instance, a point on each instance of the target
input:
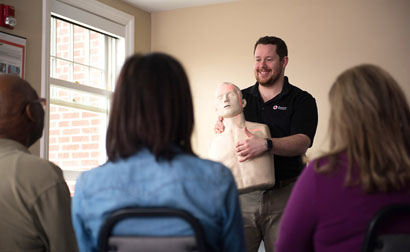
(102, 11)
(109, 13)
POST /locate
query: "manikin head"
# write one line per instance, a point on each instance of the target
(21, 112)
(228, 102)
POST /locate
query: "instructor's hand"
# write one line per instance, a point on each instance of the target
(219, 126)
(251, 147)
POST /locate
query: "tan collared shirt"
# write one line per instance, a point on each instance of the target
(35, 207)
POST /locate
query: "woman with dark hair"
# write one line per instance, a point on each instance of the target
(151, 162)
(366, 168)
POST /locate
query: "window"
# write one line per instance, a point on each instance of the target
(85, 53)
(79, 58)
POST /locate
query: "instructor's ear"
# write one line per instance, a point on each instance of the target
(285, 61)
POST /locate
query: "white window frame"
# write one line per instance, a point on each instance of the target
(122, 25)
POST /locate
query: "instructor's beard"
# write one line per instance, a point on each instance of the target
(272, 80)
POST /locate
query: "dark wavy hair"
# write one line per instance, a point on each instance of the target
(151, 108)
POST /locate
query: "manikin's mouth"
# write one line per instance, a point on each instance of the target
(227, 106)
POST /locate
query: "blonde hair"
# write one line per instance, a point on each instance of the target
(370, 121)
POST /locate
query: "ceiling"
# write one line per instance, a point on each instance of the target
(165, 5)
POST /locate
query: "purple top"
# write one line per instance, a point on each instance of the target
(324, 215)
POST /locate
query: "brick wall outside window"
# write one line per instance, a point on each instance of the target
(77, 136)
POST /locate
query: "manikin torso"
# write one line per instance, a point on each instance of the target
(255, 173)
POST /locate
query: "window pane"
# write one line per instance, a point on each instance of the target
(62, 70)
(97, 78)
(63, 40)
(53, 37)
(81, 45)
(77, 138)
(60, 93)
(97, 50)
(80, 57)
(81, 74)
(79, 99)
(52, 66)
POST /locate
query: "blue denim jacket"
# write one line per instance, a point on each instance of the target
(204, 188)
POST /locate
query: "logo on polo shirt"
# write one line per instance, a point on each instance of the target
(278, 107)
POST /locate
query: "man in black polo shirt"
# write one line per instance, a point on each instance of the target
(291, 115)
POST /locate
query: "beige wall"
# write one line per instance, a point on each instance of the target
(215, 44)
(324, 37)
(28, 16)
(142, 25)
(29, 25)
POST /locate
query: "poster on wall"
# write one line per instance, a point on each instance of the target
(12, 54)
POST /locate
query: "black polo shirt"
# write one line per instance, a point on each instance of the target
(291, 112)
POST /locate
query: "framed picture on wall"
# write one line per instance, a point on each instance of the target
(12, 54)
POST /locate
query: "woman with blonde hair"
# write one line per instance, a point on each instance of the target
(366, 168)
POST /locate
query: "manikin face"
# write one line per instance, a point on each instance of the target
(268, 67)
(228, 101)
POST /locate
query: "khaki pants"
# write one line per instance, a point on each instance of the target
(261, 212)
